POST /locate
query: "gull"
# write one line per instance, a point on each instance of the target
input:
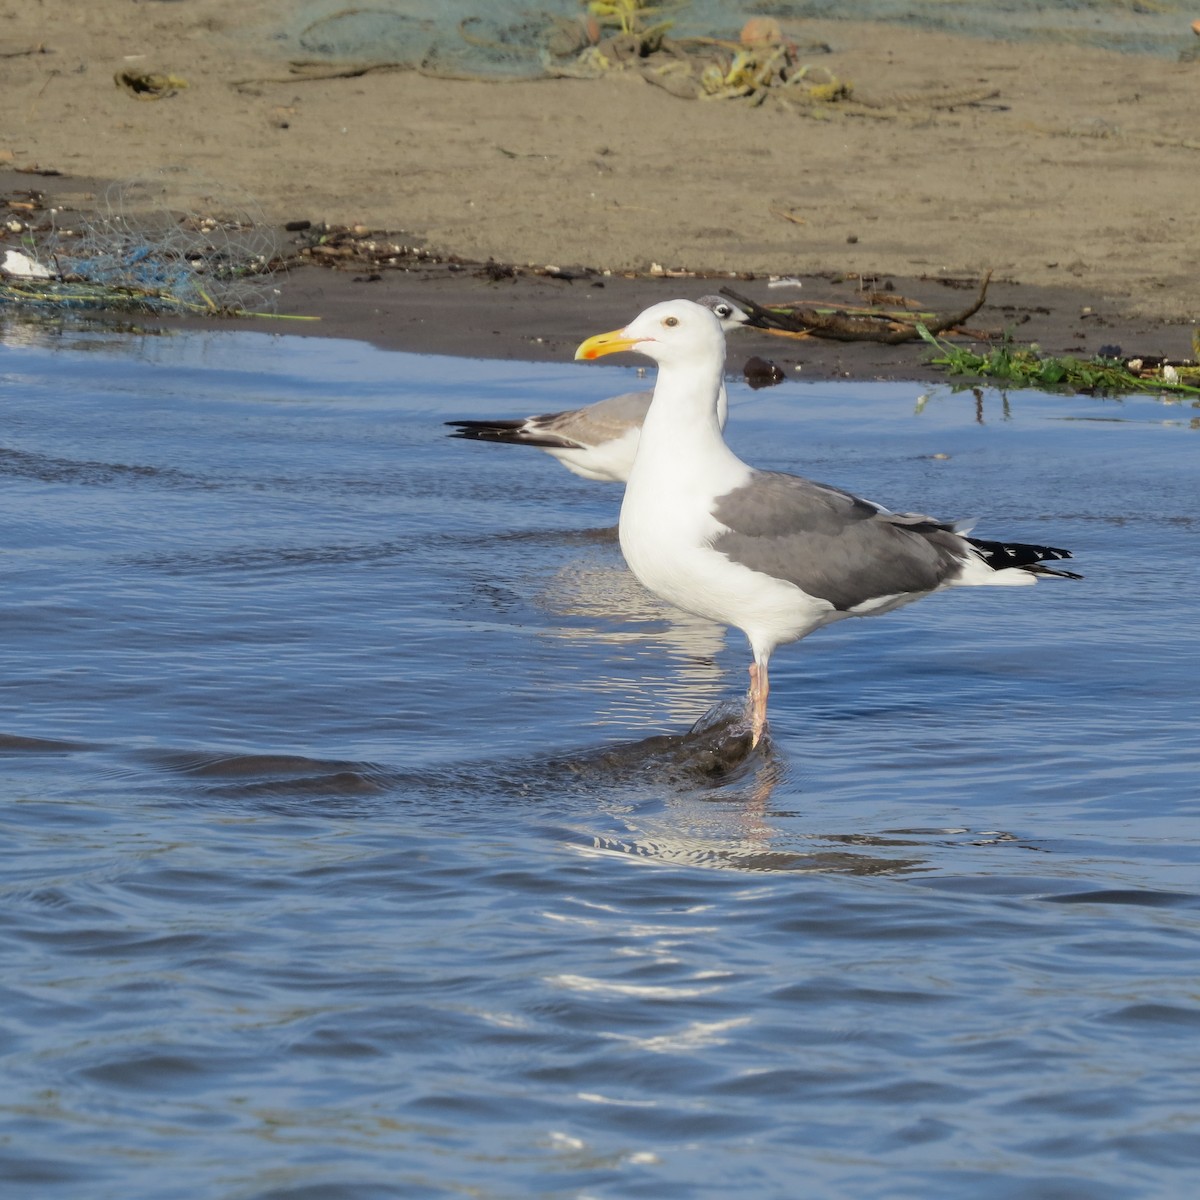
(774, 555)
(597, 442)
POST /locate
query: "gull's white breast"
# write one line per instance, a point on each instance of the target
(666, 537)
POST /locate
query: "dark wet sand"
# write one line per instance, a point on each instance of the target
(462, 312)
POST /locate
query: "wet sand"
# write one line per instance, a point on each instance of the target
(538, 318)
(1073, 181)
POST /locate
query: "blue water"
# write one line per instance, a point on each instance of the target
(1161, 27)
(355, 845)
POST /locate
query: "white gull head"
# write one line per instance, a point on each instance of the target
(673, 333)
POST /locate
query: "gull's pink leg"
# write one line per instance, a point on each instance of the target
(756, 706)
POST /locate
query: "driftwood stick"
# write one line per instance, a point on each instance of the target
(968, 312)
(842, 328)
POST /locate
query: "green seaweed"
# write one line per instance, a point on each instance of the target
(1026, 366)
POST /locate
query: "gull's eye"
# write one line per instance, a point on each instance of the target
(669, 321)
(723, 310)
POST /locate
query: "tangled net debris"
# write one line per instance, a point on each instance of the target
(758, 62)
(156, 246)
(696, 49)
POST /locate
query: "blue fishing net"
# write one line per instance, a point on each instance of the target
(515, 39)
(165, 244)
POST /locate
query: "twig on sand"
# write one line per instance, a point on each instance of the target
(887, 329)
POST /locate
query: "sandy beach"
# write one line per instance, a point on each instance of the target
(1070, 173)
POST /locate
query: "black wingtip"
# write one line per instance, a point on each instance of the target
(509, 433)
(1025, 557)
(1040, 569)
(487, 431)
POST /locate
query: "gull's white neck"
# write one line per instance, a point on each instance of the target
(682, 463)
(682, 449)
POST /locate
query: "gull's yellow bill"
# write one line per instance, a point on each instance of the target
(600, 344)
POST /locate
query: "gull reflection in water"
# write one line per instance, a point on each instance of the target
(701, 797)
(697, 799)
(682, 676)
(705, 798)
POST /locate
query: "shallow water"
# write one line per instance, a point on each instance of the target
(355, 847)
(1161, 27)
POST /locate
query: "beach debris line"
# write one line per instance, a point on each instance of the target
(358, 246)
(856, 323)
(163, 245)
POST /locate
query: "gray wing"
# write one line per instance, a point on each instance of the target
(575, 429)
(831, 544)
(597, 423)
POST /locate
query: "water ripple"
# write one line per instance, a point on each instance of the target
(369, 833)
